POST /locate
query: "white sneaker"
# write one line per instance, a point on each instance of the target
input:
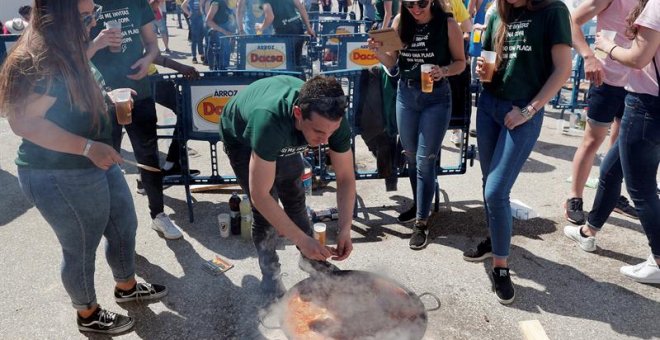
(163, 224)
(645, 272)
(586, 243)
(456, 137)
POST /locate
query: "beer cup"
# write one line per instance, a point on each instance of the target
(488, 66)
(427, 78)
(319, 232)
(123, 105)
(114, 25)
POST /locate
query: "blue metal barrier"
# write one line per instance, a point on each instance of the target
(199, 104)
(349, 52)
(268, 52)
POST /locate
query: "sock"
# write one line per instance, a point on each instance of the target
(582, 233)
(168, 166)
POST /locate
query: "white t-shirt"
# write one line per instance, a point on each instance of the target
(645, 80)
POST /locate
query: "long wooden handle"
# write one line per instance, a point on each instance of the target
(142, 166)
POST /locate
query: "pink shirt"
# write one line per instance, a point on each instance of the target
(645, 80)
(613, 18)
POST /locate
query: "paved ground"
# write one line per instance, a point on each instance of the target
(575, 295)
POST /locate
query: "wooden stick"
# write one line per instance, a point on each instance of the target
(142, 166)
(532, 330)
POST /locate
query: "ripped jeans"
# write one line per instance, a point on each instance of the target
(422, 120)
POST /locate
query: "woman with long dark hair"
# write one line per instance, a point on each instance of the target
(638, 146)
(53, 97)
(431, 36)
(533, 44)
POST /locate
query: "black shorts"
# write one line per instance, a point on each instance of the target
(605, 102)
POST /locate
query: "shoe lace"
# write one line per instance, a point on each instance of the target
(106, 316)
(143, 289)
(576, 204)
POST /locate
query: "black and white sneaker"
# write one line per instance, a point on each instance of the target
(408, 215)
(573, 211)
(623, 207)
(419, 237)
(105, 322)
(483, 251)
(141, 292)
(503, 286)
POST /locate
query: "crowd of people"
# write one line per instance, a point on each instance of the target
(58, 85)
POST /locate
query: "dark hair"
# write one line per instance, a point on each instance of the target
(53, 46)
(24, 11)
(324, 96)
(407, 21)
(632, 29)
(505, 9)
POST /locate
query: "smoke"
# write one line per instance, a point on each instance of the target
(350, 305)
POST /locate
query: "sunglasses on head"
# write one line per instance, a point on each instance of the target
(326, 103)
(419, 3)
(96, 15)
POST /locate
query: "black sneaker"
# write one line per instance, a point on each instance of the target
(623, 207)
(105, 322)
(408, 215)
(573, 210)
(503, 286)
(176, 170)
(483, 251)
(272, 287)
(141, 292)
(140, 188)
(314, 268)
(419, 237)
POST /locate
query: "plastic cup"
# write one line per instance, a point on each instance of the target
(609, 35)
(427, 78)
(319, 232)
(488, 66)
(114, 25)
(123, 105)
(223, 224)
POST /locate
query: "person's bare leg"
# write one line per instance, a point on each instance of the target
(583, 160)
(500, 262)
(126, 285)
(88, 312)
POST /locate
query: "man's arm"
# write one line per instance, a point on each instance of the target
(262, 177)
(187, 71)
(185, 8)
(240, 14)
(268, 16)
(211, 24)
(586, 11)
(303, 14)
(345, 174)
(387, 5)
(150, 42)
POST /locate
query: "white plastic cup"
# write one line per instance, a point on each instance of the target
(319, 232)
(607, 34)
(488, 66)
(122, 95)
(123, 105)
(223, 224)
(114, 25)
(426, 78)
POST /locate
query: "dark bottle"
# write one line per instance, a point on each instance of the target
(235, 214)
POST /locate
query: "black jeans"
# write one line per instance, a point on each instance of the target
(287, 188)
(165, 95)
(142, 133)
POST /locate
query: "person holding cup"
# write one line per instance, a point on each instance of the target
(532, 42)
(67, 166)
(433, 50)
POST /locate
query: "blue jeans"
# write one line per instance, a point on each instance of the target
(219, 47)
(502, 154)
(288, 188)
(81, 206)
(422, 120)
(639, 148)
(196, 35)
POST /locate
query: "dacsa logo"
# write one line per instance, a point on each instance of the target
(363, 56)
(210, 107)
(266, 57)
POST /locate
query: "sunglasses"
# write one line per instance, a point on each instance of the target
(419, 3)
(326, 104)
(96, 15)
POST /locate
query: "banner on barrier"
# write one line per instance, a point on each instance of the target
(265, 56)
(359, 55)
(207, 102)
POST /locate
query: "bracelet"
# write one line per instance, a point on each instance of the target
(610, 53)
(445, 69)
(88, 145)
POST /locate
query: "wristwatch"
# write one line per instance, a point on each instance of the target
(525, 112)
(88, 145)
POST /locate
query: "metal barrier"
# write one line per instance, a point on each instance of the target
(349, 52)
(268, 52)
(6, 42)
(575, 80)
(199, 104)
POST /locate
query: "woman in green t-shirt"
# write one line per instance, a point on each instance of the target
(67, 167)
(431, 37)
(533, 43)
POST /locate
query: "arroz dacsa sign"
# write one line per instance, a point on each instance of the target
(359, 55)
(207, 105)
(266, 56)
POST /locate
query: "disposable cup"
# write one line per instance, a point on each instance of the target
(426, 78)
(123, 105)
(488, 66)
(114, 25)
